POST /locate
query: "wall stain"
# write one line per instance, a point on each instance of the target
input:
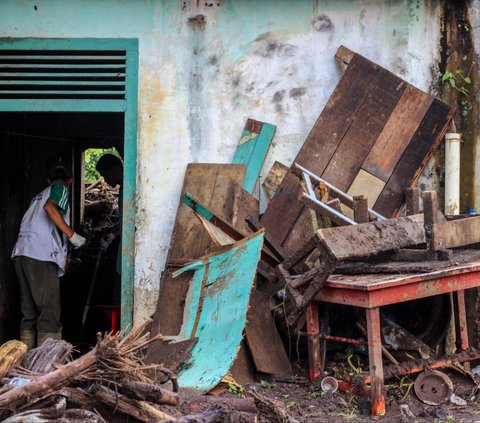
(274, 47)
(212, 60)
(322, 23)
(197, 22)
(277, 100)
(297, 92)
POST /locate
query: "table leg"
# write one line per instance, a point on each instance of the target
(462, 322)
(315, 364)
(375, 361)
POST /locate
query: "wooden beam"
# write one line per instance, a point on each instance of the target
(412, 200)
(360, 209)
(371, 238)
(342, 58)
(456, 233)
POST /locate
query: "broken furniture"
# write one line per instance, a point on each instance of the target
(371, 292)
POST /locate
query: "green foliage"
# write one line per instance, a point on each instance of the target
(236, 390)
(354, 361)
(317, 393)
(348, 416)
(265, 385)
(458, 80)
(91, 158)
(449, 419)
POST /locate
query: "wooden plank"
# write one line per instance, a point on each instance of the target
(368, 185)
(320, 145)
(213, 184)
(367, 239)
(412, 200)
(274, 179)
(263, 340)
(360, 209)
(419, 150)
(244, 206)
(384, 94)
(397, 133)
(342, 58)
(456, 233)
(252, 150)
(171, 354)
(243, 369)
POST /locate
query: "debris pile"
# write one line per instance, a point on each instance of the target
(343, 226)
(108, 382)
(341, 247)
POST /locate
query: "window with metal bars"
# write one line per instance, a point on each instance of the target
(63, 74)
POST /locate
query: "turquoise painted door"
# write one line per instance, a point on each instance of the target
(81, 75)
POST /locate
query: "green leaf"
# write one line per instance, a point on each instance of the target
(447, 75)
(452, 82)
(264, 384)
(459, 71)
(467, 80)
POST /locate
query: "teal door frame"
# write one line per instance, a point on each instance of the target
(128, 106)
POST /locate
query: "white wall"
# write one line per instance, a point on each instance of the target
(269, 60)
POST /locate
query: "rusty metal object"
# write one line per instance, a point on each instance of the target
(417, 366)
(433, 387)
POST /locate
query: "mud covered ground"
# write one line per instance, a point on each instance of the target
(300, 402)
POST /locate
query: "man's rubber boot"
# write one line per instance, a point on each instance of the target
(43, 336)
(29, 338)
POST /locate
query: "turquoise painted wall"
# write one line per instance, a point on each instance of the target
(199, 80)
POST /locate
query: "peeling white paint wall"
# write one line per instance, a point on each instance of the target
(270, 60)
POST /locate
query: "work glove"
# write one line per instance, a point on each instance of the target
(106, 241)
(77, 240)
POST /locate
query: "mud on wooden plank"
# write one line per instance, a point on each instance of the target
(371, 238)
(214, 185)
(321, 143)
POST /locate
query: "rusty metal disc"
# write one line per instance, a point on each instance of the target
(433, 387)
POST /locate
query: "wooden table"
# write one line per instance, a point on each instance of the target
(373, 291)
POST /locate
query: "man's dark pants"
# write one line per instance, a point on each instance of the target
(40, 300)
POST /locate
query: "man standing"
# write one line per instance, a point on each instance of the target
(40, 256)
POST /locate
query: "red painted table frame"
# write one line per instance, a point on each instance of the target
(374, 291)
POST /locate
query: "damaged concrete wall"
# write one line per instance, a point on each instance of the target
(205, 66)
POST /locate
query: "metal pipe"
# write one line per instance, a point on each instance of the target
(452, 173)
(344, 197)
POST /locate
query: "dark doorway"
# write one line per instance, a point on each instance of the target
(30, 142)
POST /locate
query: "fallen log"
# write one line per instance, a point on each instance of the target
(140, 410)
(246, 405)
(113, 359)
(212, 415)
(149, 392)
(47, 383)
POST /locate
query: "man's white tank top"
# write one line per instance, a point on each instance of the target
(39, 237)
